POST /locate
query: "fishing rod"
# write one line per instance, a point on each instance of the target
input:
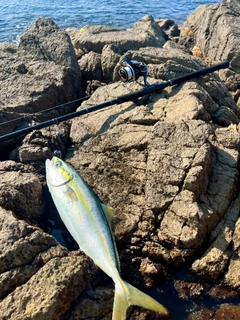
(124, 98)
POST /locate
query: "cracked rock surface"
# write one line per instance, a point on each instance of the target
(39, 278)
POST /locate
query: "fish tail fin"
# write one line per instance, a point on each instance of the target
(127, 295)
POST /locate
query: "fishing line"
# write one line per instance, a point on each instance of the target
(38, 113)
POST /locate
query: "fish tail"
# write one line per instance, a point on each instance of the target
(127, 295)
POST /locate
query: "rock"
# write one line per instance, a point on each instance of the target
(169, 27)
(39, 145)
(39, 279)
(8, 66)
(21, 192)
(221, 258)
(41, 73)
(93, 86)
(218, 23)
(23, 249)
(41, 43)
(160, 184)
(188, 289)
(90, 65)
(146, 30)
(50, 292)
(152, 273)
(109, 58)
(96, 303)
(166, 65)
(226, 311)
(188, 200)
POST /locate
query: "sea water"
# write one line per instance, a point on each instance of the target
(16, 16)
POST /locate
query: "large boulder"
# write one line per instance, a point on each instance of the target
(160, 170)
(214, 29)
(144, 32)
(41, 73)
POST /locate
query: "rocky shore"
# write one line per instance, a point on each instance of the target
(167, 162)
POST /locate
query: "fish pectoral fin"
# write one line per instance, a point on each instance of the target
(71, 194)
(109, 213)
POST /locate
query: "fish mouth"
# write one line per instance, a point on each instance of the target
(48, 162)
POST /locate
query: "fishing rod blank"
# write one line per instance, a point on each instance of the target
(124, 98)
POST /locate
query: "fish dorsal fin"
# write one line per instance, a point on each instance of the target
(109, 213)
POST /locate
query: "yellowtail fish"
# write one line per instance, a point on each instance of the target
(89, 222)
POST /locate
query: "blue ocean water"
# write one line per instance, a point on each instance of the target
(16, 16)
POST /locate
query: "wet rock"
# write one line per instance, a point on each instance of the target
(226, 311)
(218, 292)
(142, 314)
(153, 273)
(189, 290)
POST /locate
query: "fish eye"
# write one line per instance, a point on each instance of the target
(58, 164)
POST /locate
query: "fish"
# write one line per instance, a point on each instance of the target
(90, 224)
